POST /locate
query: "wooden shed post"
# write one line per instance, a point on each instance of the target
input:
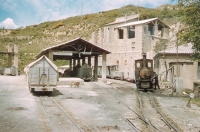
(79, 62)
(83, 61)
(104, 67)
(95, 68)
(70, 64)
(74, 63)
(89, 60)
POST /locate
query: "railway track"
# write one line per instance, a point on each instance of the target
(58, 119)
(160, 123)
(137, 127)
(155, 119)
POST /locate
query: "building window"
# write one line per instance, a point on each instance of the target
(121, 33)
(198, 70)
(151, 29)
(133, 45)
(125, 62)
(131, 32)
(117, 62)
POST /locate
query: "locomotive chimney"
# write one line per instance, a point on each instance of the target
(144, 60)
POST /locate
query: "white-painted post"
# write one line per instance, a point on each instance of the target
(9, 55)
(179, 85)
(155, 28)
(51, 55)
(104, 67)
(125, 32)
(16, 55)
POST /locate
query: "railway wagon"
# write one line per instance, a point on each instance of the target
(85, 72)
(144, 73)
(41, 75)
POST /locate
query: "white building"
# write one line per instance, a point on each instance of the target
(128, 38)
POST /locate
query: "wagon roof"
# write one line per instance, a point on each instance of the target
(42, 57)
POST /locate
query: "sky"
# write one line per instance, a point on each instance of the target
(22, 13)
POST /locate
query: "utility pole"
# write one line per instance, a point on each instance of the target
(177, 69)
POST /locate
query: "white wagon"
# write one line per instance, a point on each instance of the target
(41, 75)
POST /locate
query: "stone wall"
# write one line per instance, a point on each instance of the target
(125, 51)
(186, 68)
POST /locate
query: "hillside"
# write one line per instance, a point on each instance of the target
(32, 39)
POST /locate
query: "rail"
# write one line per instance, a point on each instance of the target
(57, 106)
(163, 117)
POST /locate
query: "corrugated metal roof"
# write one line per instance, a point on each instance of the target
(140, 22)
(182, 49)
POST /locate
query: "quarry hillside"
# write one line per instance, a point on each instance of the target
(32, 39)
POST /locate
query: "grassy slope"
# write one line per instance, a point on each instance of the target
(33, 39)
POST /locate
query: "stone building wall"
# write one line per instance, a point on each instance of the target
(186, 68)
(125, 51)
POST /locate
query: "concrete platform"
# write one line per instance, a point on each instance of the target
(66, 81)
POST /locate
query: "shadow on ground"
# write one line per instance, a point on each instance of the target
(54, 93)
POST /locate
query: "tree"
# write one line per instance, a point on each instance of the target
(190, 10)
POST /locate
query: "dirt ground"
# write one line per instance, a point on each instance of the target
(90, 105)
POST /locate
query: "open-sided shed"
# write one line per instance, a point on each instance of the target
(77, 51)
(41, 75)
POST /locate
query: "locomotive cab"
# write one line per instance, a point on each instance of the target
(144, 73)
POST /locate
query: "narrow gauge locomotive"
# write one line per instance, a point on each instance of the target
(144, 73)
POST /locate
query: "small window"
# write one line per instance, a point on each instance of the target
(149, 64)
(117, 61)
(131, 32)
(151, 29)
(133, 44)
(125, 62)
(138, 65)
(121, 33)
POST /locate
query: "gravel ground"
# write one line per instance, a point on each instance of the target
(89, 104)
